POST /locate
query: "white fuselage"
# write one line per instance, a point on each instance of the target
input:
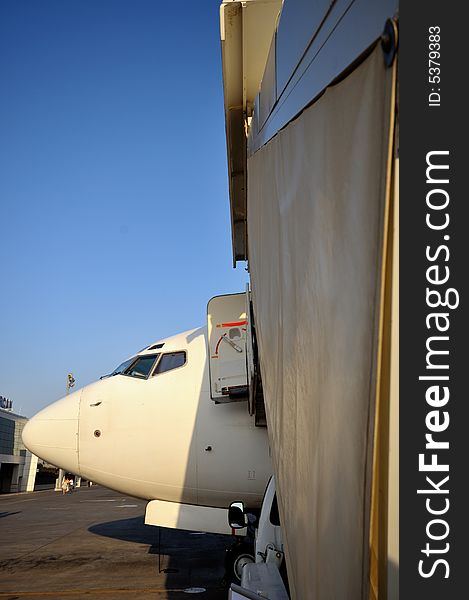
(159, 437)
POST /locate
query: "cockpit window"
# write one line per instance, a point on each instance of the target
(170, 361)
(142, 366)
(156, 346)
(137, 366)
(121, 368)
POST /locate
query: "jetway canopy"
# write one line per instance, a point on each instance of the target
(318, 213)
(316, 229)
(247, 28)
(275, 65)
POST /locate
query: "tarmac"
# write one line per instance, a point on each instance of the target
(93, 543)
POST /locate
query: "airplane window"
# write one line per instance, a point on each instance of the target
(156, 347)
(142, 366)
(121, 368)
(170, 361)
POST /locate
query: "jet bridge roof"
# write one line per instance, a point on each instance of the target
(275, 64)
(246, 34)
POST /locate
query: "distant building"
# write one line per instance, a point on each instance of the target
(6, 403)
(17, 465)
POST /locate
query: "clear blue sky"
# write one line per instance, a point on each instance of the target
(113, 185)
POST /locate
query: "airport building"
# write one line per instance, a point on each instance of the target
(17, 465)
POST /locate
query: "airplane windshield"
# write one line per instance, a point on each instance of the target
(121, 368)
(137, 366)
(142, 366)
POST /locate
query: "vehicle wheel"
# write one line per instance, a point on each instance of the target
(237, 556)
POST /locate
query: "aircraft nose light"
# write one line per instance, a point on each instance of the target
(52, 434)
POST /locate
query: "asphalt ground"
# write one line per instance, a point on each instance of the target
(93, 544)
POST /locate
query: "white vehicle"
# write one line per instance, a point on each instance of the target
(267, 550)
(159, 429)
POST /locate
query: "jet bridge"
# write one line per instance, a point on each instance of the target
(313, 172)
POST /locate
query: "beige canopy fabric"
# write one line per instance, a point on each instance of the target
(315, 227)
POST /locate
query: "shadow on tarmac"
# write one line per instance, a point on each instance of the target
(188, 559)
(9, 514)
(129, 530)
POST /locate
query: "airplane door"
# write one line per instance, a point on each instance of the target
(227, 323)
(233, 457)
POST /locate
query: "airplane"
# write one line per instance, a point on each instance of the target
(151, 429)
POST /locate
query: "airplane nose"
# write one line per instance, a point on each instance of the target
(52, 434)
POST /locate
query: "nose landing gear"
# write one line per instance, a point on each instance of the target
(237, 556)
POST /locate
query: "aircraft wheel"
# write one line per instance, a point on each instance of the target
(237, 556)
